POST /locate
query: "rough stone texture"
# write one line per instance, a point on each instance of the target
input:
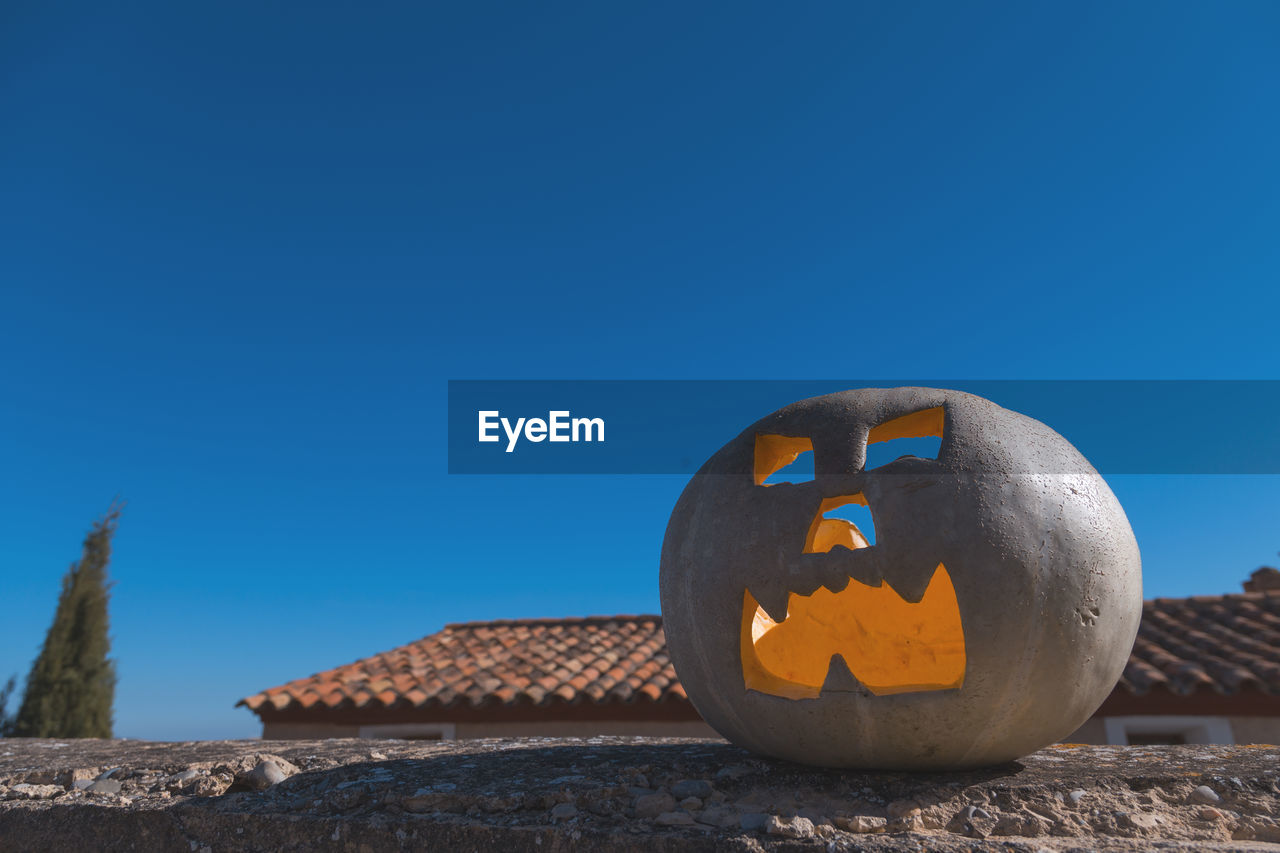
(582, 795)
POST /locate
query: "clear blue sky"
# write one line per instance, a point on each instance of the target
(244, 245)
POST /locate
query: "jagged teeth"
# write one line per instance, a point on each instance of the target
(772, 597)
(825, 572)
(837, 583)
(839, 676)
(815, 571)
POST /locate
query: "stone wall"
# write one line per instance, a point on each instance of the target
(545, 728)
(1244, 729)
(620, 794)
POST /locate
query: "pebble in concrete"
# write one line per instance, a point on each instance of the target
(1205, 794)
(862, 823)
(700, 788)
(266, 774)
(678, 818)
(652, 805)
(718, 816)
(24, 791)
(104, 786)
(733, 772)
(796, 827)
(564, 811)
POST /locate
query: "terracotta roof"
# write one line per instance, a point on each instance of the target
(540, 662)
(1221, 643)
(1263, 579)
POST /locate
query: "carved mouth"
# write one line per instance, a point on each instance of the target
(887, 643)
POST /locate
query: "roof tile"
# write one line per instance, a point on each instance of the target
(1222, 643)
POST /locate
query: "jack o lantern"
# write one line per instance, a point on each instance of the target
(991, 615)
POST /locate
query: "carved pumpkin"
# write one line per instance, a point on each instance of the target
(992, 615)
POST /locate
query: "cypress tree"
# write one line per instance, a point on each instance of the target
(72, 683)
(6, 719)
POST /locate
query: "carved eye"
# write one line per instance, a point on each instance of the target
(777, 452)
(917, 434)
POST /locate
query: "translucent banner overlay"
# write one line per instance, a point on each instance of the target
(673, 427)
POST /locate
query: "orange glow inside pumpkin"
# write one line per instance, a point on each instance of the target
(775, 452)
(889, 644)
(926, 423)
